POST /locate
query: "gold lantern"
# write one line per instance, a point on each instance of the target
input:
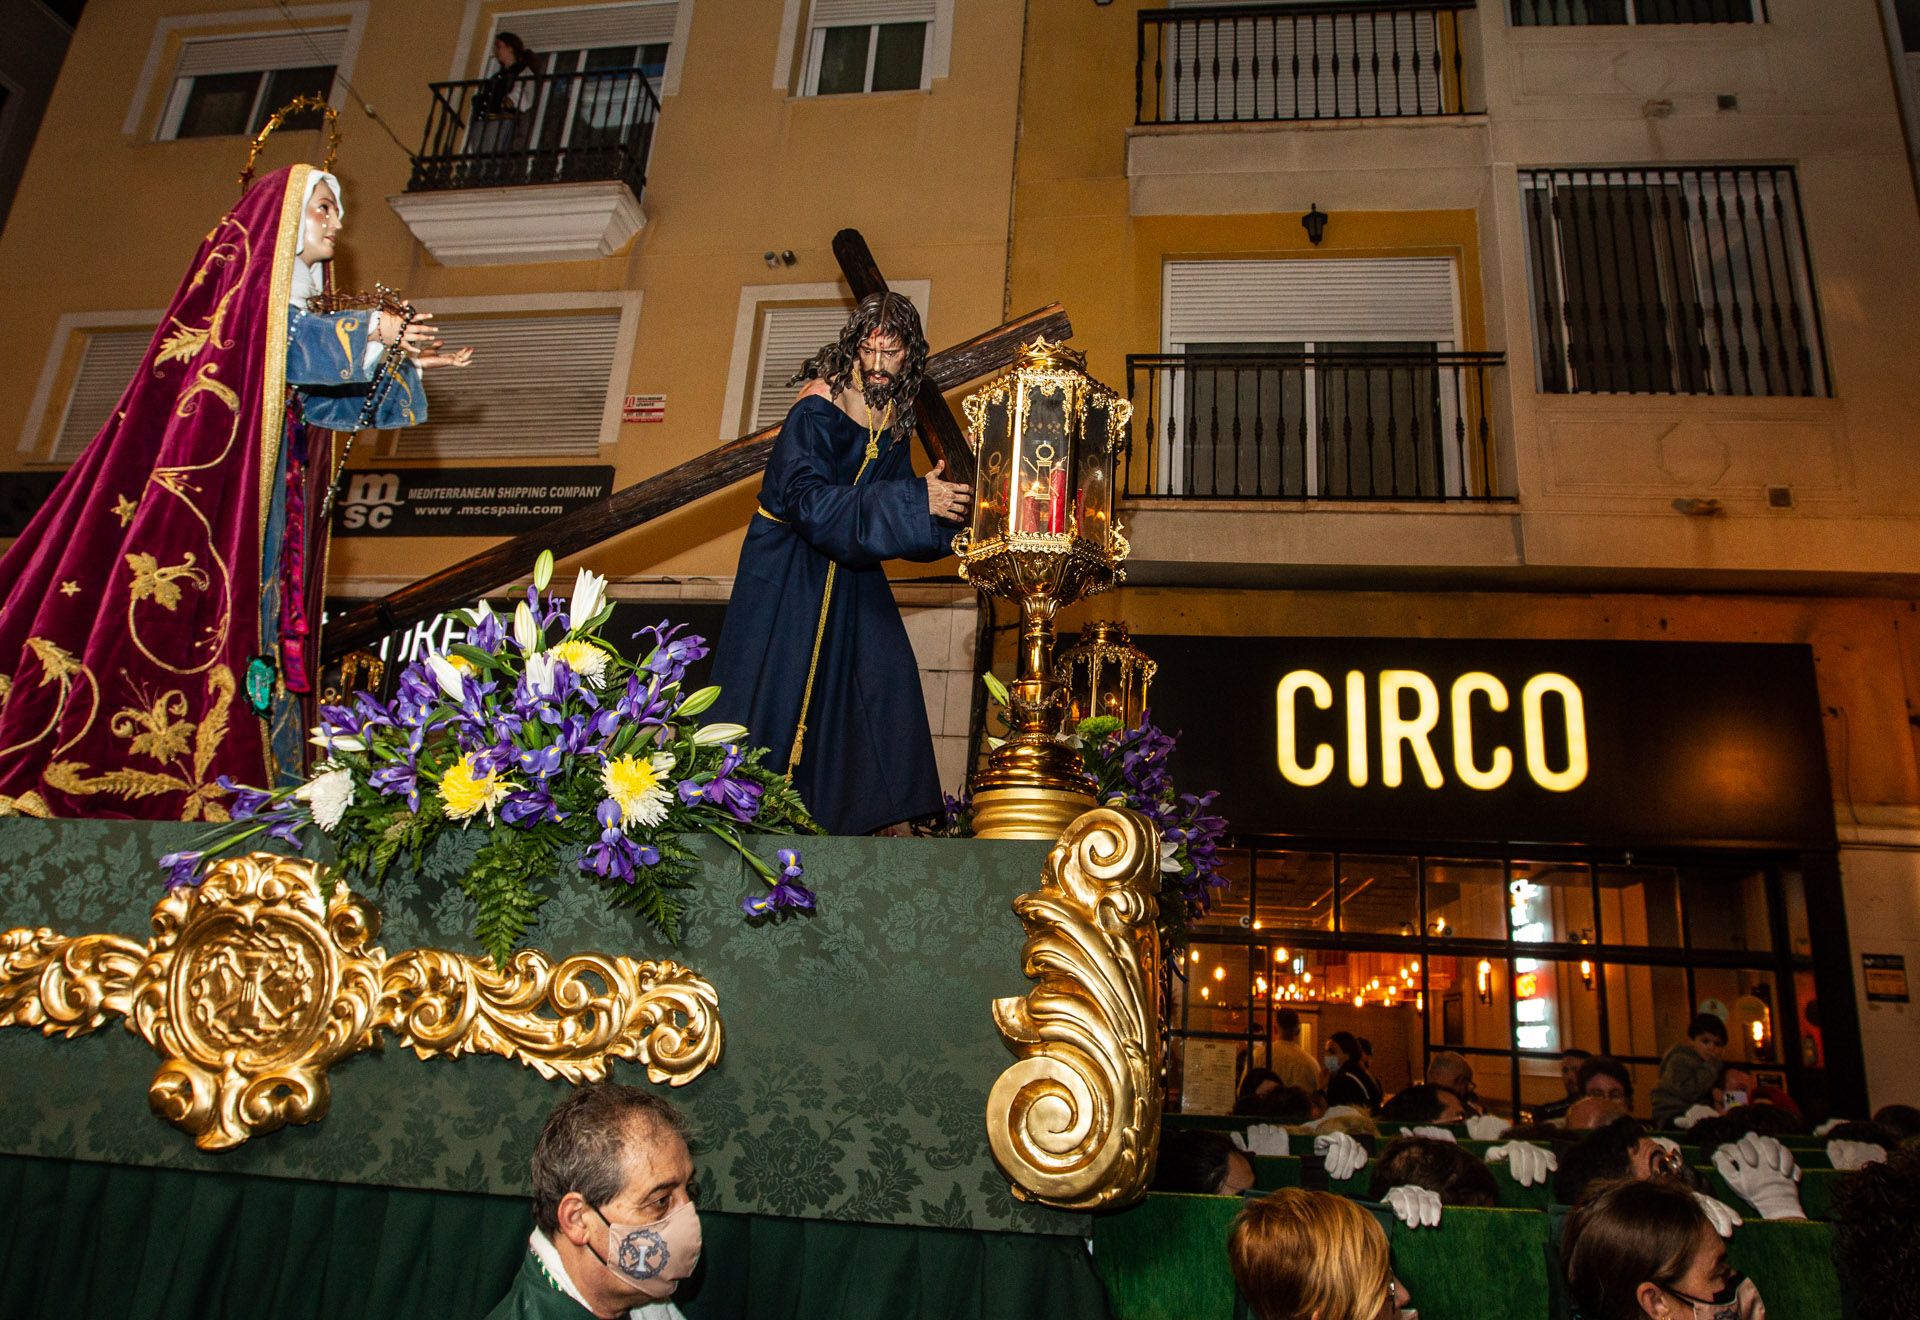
(1105, 674)
(1045, 437)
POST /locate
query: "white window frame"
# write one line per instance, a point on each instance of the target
(755, 298)
(471, 58)
(65, 347)
(626, 302)
(817, 44)
(796, 31)
(155, 82)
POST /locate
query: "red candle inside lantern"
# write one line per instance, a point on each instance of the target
(1057, 500)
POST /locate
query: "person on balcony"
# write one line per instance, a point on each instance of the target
(159, 629)
(501, 104)
(813, 657)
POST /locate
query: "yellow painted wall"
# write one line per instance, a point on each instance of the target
(107, 221)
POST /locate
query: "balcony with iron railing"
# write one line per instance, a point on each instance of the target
(1267, 465)
(1356, 423)
(1348, 59)
(557, 174)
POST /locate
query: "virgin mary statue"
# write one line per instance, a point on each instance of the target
(159, 628)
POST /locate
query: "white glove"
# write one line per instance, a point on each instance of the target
(1722, 1216)
(1828, 1126)
(1851, 1155)
(1344, 1156)
(1694, 1115)
(1762, 1171)
(1487, 1127)
(1416, 1206)
(1530, 1164)
(1265, 1139)
(1433, 1134)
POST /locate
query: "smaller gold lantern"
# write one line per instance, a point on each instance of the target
(1045, 436)
(1105, 674)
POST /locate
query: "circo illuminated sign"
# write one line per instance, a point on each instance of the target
(1410, 709)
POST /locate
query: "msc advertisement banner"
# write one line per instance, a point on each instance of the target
(500, 501)
(1604, 743)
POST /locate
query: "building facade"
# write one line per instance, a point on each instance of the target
(1464, 332)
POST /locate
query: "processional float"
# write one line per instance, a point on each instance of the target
(257, 981)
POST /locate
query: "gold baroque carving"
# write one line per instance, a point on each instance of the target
(255, 983)
(1074, 1123)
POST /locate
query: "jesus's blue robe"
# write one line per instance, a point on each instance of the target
(867, 758)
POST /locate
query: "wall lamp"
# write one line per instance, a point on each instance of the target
(1315, 223)
(1484, 981)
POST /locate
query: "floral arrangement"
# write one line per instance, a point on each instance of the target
(1128, 766)
(542, 730)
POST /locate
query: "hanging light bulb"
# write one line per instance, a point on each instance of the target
(1219, 973)
(1195, 955)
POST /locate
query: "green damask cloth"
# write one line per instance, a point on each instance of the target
(90, 1240)
(860, 1043)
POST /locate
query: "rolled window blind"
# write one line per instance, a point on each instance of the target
(836, 13)
(1309, 300)
(107, 362)
(539, 388)
(788, 337)
(266, 50)
(584, 29)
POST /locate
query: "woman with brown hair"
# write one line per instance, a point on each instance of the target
(1300, 1255)
(1635, 1250)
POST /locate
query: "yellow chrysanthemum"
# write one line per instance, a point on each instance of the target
(587, 661)
(639, 785)
(466, 794)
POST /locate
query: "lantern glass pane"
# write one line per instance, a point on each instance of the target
(1041, 499)
(1093, 492)
(993, 473)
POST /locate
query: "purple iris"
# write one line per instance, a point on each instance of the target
(643, 704)
(615, 856)
(488, 633)
(416, 695)
(671, 653)
(787, 891)
(247, 802)
(401, 780)
(182, 869)
(739, 798)
(529, 807)
(539, 762)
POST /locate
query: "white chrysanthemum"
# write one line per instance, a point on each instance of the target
(640, 784)
(328, 796)
(587, 661)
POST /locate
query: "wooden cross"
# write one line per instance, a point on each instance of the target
(640, 503)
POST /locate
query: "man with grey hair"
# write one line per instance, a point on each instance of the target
(614, 1228)
(1452, 1073)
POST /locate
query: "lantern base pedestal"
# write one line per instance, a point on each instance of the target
(1026, 813)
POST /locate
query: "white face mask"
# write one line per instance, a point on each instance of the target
(1332, 1063)
(654, 1257)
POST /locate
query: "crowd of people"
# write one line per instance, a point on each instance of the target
(1641, 1234)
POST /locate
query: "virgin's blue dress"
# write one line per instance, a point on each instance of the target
(867, 758)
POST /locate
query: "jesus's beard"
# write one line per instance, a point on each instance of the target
(878, 389)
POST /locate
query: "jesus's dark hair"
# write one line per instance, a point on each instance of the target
(838, 362)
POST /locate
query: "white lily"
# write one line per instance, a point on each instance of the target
(541, 674)
(446, 673)
(320, 737)
(543, 570)
(524, 630)
(1167, 860)
(589, 594)
(327, 795)
(709, 734)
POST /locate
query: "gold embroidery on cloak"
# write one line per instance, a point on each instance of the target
(154, 732)
(58, 666)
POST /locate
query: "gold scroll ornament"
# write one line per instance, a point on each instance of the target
(254, 985)
(1075, 1122)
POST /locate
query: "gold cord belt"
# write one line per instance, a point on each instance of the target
(826, 598)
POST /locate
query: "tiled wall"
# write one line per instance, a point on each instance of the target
(940, 623)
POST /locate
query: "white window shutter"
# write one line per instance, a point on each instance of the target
(643, 24)
(788, 337)
(108, 360)
(840, 13)
(267, 50)
(1308, 300)
(538, 388)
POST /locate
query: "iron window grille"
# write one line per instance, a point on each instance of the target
(1691, 280)
(1644, 13)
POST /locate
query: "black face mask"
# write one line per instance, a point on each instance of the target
(1724, 1305)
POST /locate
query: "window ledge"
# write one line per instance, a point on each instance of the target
(848, 98)
(522, 225)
